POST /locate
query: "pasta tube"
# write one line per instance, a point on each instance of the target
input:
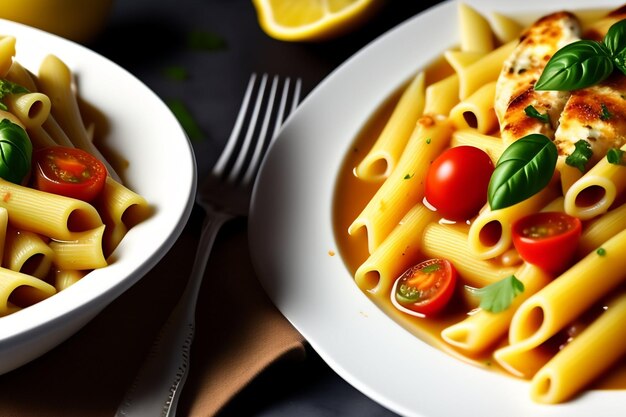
(587, 356)
(405, 186)
(561, 301)
(384, 155)
(483, 329)
(596, 190)
(396, 253)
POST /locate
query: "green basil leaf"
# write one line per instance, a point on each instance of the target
(8, 87)
(524, 169)
(15, 152)
(581, 155)
(615, 38)
(577, 65)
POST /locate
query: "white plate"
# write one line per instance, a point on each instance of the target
(161, 168)
(291, 234)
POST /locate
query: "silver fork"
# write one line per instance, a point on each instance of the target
(224, 195)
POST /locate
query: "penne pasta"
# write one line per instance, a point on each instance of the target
(28, 253)
(121, 209)
(476, 34)
(483, 329)
(396, 253)
(578, 364)
(55, 80)
(384, 155)
(84, 252)
(405, 187)
(490, 233)
(47, 214)
(450, 242)
(560, 302)
(594, 193)
(18, 290)
(477, 111)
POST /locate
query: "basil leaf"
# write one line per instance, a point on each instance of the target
(498, 296)
(576, 65)
(15, 152)
(8, 87)
(615, 42)
(524, 169)
(581, 155)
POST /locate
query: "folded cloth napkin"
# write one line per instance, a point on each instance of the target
(239, 333)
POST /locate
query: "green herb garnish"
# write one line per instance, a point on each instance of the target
(498, 296)
(15, 152)
(7, 87)
(601, 252)
(524, 169)
(581, 155)
(408, 176)
(615, 156)
(585, 63)
(606, 114)
(531, 111)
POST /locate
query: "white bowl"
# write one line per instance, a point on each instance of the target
(161, 168)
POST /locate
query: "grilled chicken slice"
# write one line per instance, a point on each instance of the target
(596, 114)
(515, 85)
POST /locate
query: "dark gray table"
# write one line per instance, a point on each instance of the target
(151, 40)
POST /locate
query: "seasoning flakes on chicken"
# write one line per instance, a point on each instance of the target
(596, 114)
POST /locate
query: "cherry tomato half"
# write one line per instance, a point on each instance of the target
(457, 181)
(426, 287)
(547, 239)
(68, 171)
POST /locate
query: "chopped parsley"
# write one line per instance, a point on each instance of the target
(601, 252)
(580, 156)
(615, 156)
(408, 176)
(428, 140)
(606, 114)
(498, 296)
(531, 111)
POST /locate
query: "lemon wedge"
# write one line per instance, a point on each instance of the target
(312, 20)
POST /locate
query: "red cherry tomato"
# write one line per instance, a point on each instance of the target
(457, 181)
(68, 171)
(426, 287)
(547, 239)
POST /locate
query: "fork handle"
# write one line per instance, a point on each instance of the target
(159, 382)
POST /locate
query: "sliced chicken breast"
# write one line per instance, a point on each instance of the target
(515, 85)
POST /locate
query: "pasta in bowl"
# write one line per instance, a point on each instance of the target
(83, 214)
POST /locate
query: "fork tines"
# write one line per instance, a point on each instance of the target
(256, 126)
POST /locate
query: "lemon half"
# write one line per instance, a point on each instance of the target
(312, 20)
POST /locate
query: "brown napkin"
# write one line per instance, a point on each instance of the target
(239, 333)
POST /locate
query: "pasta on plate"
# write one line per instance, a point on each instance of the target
(537, 269)
(49, 241)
